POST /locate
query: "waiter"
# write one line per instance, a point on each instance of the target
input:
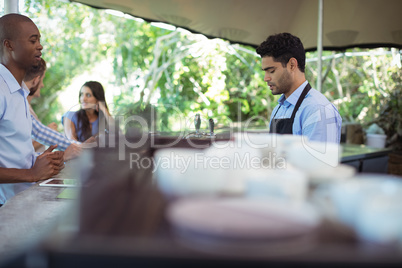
(301, 110)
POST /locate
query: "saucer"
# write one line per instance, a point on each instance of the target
(242, 218)
(331, 174)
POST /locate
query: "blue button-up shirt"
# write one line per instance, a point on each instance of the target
(16, 150)
(317, 118)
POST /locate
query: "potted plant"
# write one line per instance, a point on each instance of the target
(390, 120)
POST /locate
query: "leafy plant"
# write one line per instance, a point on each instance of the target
(181, 74)
(390, 117)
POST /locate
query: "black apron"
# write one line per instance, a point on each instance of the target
(285, 125)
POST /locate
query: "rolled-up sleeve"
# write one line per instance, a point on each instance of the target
(48, 136)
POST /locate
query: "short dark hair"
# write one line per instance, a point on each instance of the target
(9, 27)
(282, 47)
(33, 72)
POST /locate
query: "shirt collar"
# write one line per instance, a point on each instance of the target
(292, 100)
(11, 81)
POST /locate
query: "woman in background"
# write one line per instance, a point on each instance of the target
(84, 123)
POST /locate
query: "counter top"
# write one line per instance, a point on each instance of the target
(30, 216)
(352, 152)
(122, 223)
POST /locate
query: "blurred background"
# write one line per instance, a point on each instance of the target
(142, 64)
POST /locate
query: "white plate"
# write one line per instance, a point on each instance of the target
(241, 218)
(332, 174)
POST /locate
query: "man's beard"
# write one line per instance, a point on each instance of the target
(32, 90)
(284, 83)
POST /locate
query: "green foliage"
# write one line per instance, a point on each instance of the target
(358, 81)
(181, 74)
(390, 118)
(63, 40)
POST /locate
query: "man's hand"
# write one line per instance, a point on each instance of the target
(53, 126)
(72, 151)
(91, 142)
(47, 164)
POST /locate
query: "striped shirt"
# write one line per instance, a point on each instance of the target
(48, 136)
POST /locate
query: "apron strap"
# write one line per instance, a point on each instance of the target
(299, 101)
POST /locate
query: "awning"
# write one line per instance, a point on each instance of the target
(346, 23)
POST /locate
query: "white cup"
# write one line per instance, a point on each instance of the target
(313, 156)
(376, 140)
(236, 160)
(287, 184)
(369, 203)
(269, 146)
(181, 172)
(380, 218)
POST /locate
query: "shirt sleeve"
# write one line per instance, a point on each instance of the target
(70, 115)
(2, 106)
(48, 136)
(321, 123)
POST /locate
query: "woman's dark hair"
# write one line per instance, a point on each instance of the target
(33, 72)
(82, 119)
(282, 47)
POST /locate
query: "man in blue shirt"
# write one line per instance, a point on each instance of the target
(20, 49)
(301, 109)
(41, 134)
